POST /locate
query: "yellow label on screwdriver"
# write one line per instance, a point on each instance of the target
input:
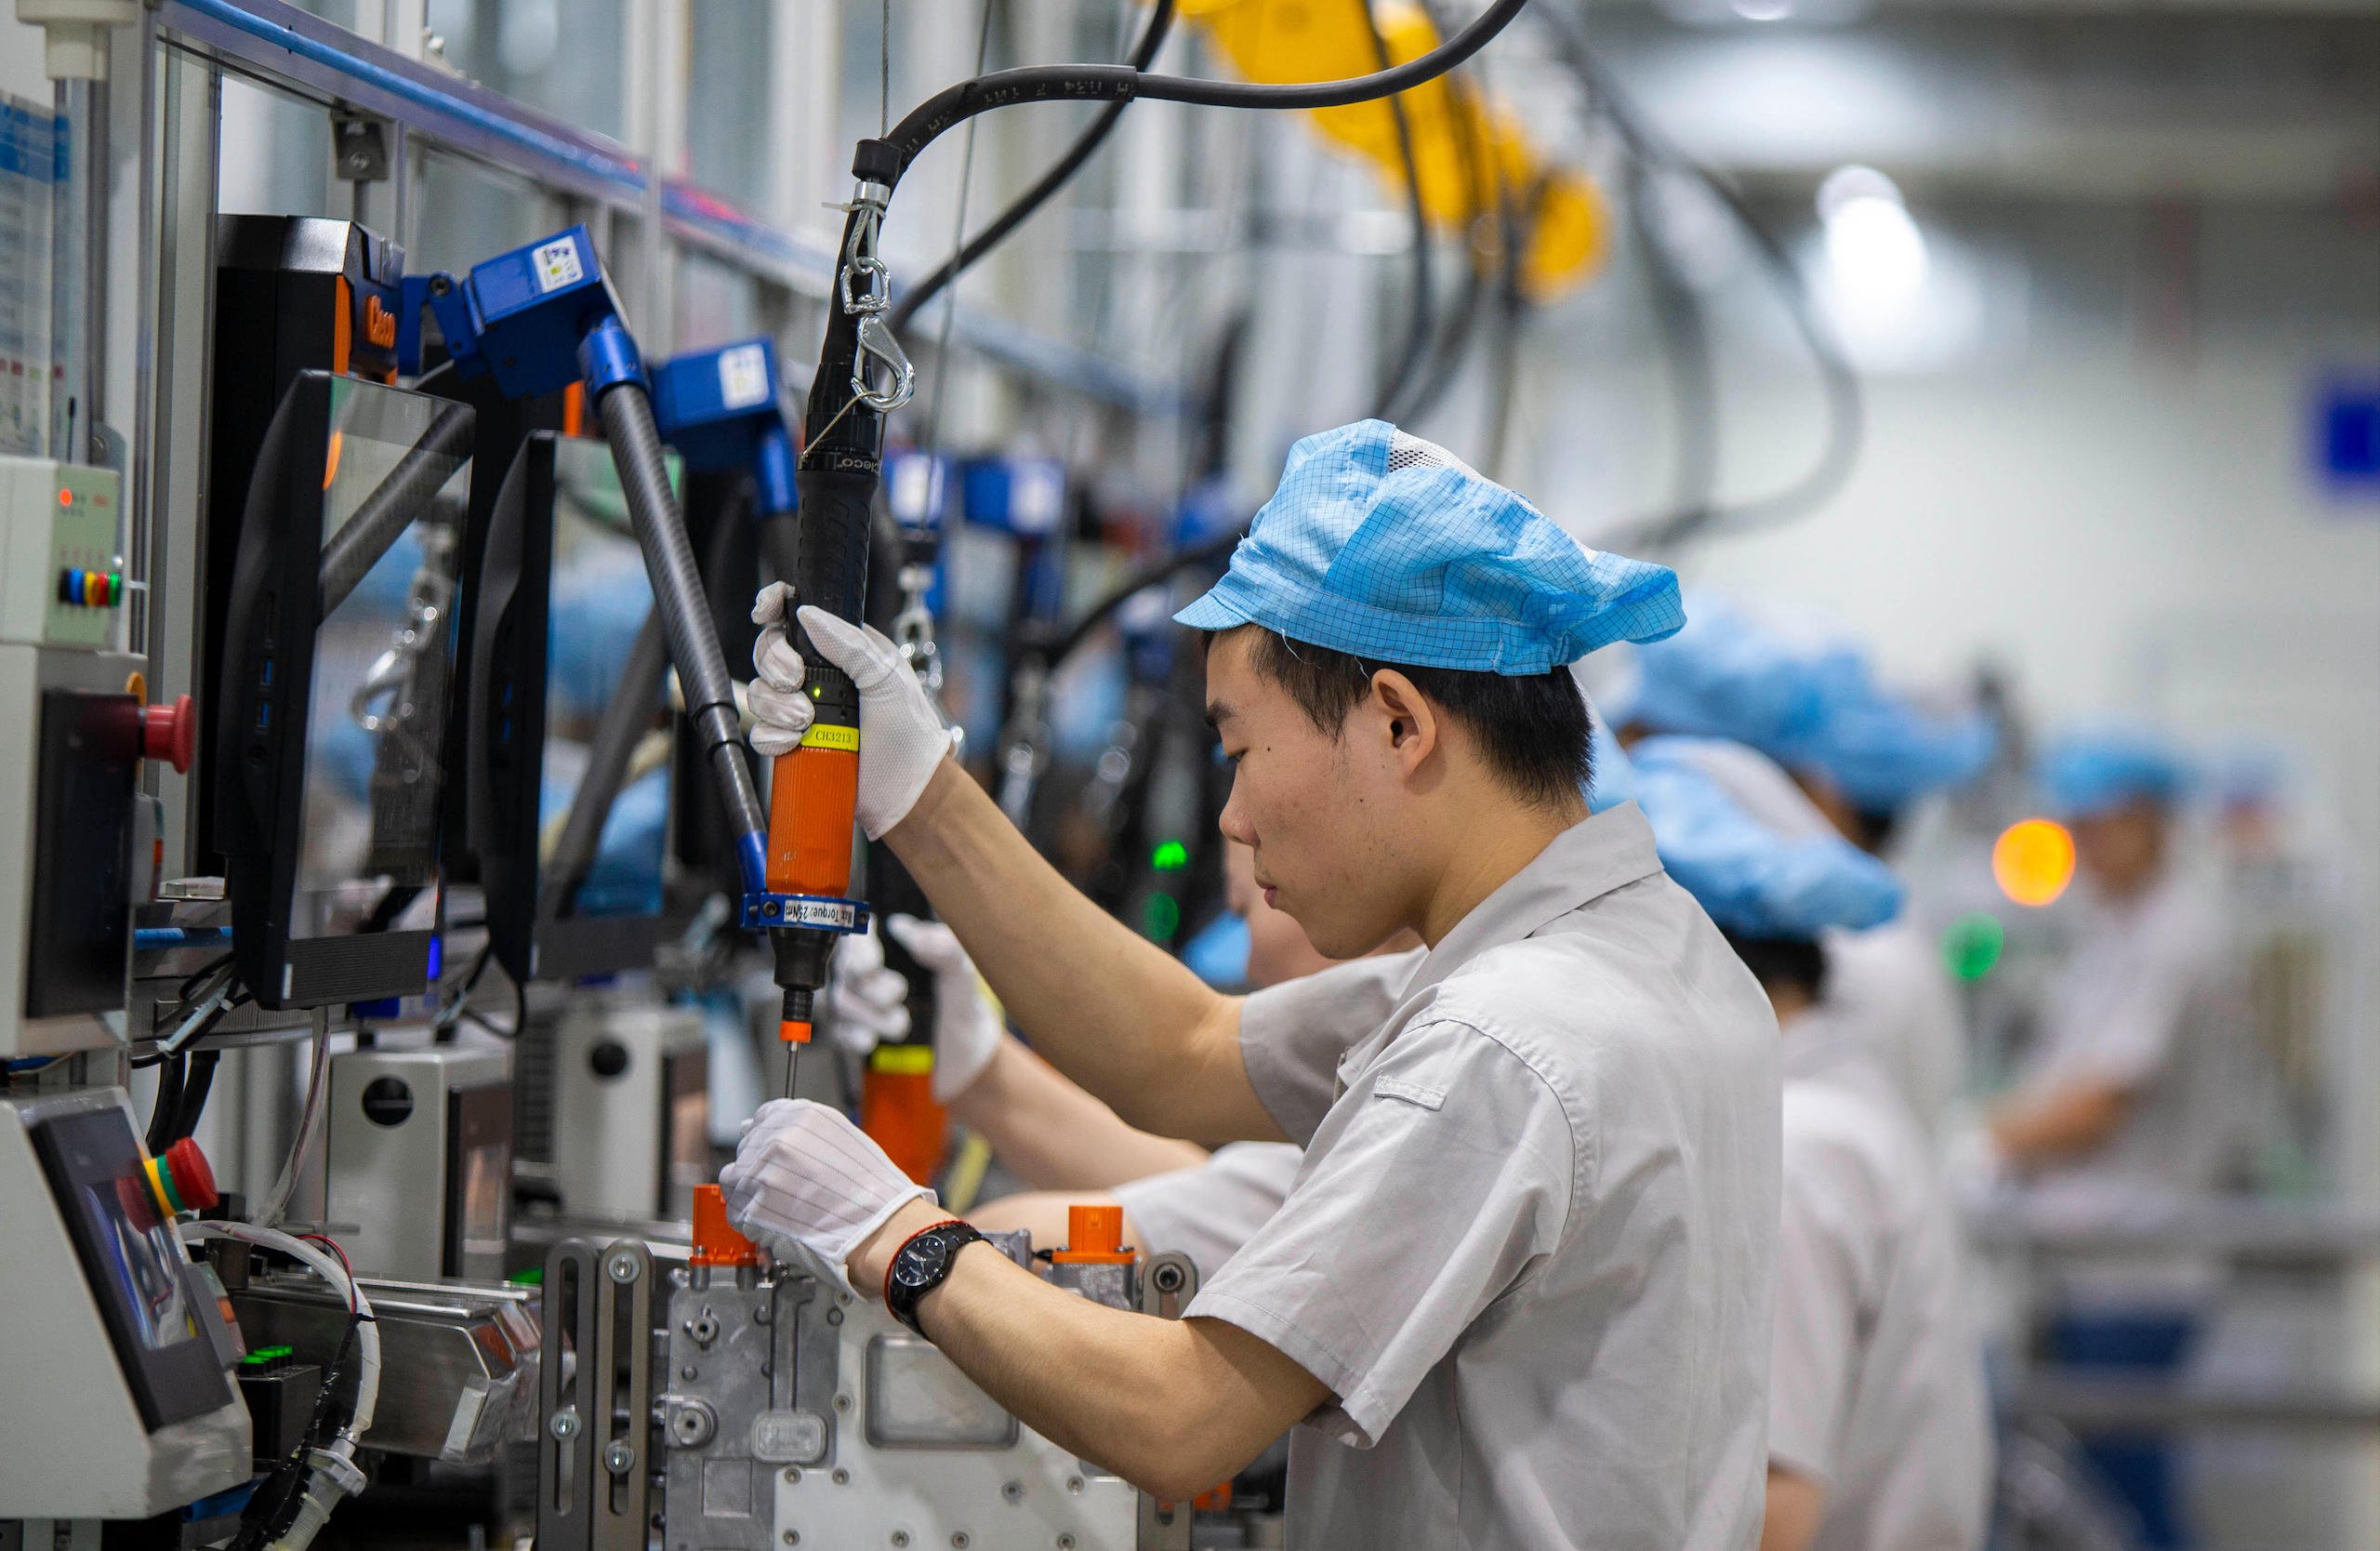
(824, 734)
(902, 1060)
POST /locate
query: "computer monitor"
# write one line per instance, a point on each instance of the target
(572, 735)
(331, 711)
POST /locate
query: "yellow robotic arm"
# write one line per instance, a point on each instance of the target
(1287, 42)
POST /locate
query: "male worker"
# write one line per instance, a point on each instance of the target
(1519, 1293)
(1879, 1437)
(2120, 1105)
(1863, 756)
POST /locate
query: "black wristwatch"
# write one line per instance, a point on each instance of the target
(920, 1266)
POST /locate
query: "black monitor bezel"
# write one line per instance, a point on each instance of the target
(511, 596)
(259, 753)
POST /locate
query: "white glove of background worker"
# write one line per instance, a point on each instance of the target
(809, 1187)
(902, 737)
(869, 1002)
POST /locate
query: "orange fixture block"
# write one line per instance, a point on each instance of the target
(715, 1240)
(1095, 1237)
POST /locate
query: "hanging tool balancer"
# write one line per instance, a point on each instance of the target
(816, 786)
(544, 315)
(720, 409)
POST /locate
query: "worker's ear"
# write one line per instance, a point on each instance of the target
(1408, 721)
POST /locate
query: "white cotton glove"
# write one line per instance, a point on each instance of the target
(809, 1187)
(870, 1002)
(902, 737)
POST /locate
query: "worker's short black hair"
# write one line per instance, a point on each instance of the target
(1531, 727)
(1797, 962)
(1876, 827)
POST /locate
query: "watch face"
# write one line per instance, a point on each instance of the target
(923, 1260)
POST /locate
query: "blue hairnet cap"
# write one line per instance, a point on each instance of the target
(1812, 704)
(1778, 875)
(2085, 772)
(1883, 753)
(1728, 675)
(1387, 547)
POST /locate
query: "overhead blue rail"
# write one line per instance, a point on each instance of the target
(280, 41)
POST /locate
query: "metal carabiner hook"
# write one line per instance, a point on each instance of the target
(875, 339)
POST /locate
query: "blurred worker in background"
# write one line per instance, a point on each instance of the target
(1879, 1436)
(2116, 1108)
(1865, 757)
(1519, 1293)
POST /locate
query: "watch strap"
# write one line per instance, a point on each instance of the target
(900, 1298)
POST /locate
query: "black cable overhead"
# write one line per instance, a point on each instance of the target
(1444, 362)
(1024, 208)
(1417, 334)
(1645, 145)
(884, 161)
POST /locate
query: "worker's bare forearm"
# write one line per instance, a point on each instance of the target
(1109, 1008)
(1173, 1406)
(1054, 1134)
(2063, 1123)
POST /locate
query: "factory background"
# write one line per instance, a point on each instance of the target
(2108, 275)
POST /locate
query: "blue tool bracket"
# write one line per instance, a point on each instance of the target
(818, 912)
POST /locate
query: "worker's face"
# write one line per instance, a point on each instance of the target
(1320, 815)
(1278, 948)
(2120, 851)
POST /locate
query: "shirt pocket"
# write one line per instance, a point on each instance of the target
(1419, 1094)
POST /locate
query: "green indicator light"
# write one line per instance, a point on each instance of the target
(263, 1355)
(1169, 856)
(534, 1277)
(1160, 918)
(1971, 945)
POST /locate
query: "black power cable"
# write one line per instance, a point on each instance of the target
(1416, 335)
(1645, 145)
(1025, 205)
(1453, 342)
(885, 160)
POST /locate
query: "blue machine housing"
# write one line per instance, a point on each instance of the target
(537, 319)
(718, 409)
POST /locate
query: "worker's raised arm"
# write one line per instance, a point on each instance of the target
(1107, 1008)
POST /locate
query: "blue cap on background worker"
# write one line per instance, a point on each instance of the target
(1859, 754)
(2116, 786)
(1862, 753)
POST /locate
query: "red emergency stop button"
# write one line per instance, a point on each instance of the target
(170, 732)
(194, 1180)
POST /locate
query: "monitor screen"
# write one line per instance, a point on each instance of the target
(330, 716)
(132, 1261)
(383, 654)
(598, 599)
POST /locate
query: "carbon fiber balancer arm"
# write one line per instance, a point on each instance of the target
(627, 416)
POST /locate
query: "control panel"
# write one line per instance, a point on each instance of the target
(61, 577)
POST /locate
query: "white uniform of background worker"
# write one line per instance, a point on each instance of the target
(2125, 1103)
(1863, 755)
(1878, 1433)
(1519, 1294)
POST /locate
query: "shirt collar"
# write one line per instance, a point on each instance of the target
(1607, 850)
